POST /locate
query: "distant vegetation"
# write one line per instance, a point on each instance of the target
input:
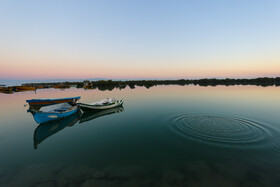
(110, 85)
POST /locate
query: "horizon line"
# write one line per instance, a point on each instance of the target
(99, 78)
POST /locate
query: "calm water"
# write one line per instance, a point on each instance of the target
(162, 136)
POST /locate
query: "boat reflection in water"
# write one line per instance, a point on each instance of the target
(93, 114)
(45, 130)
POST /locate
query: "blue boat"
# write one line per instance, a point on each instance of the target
(45, 130)
(54, 112)
(37, 103)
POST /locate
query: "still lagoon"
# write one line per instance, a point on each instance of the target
(162, 136)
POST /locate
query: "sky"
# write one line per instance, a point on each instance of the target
(149, 39)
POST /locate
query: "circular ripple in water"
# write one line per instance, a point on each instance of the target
(219, 129)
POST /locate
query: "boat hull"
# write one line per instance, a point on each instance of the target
(24, 88)
(84, 106)
(61, 86)
(46, 102)
(43, 117)
(93, 114)
(6, 89)
(45, 130)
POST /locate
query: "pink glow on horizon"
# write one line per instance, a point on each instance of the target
(72, 72)
(44, 67)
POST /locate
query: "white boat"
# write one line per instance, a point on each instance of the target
(101, 105)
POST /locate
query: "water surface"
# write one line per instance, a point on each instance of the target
(162, 136)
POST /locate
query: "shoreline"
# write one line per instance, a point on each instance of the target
(104, 85)
(111, 84)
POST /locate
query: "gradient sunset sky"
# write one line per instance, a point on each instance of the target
(129, 39)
